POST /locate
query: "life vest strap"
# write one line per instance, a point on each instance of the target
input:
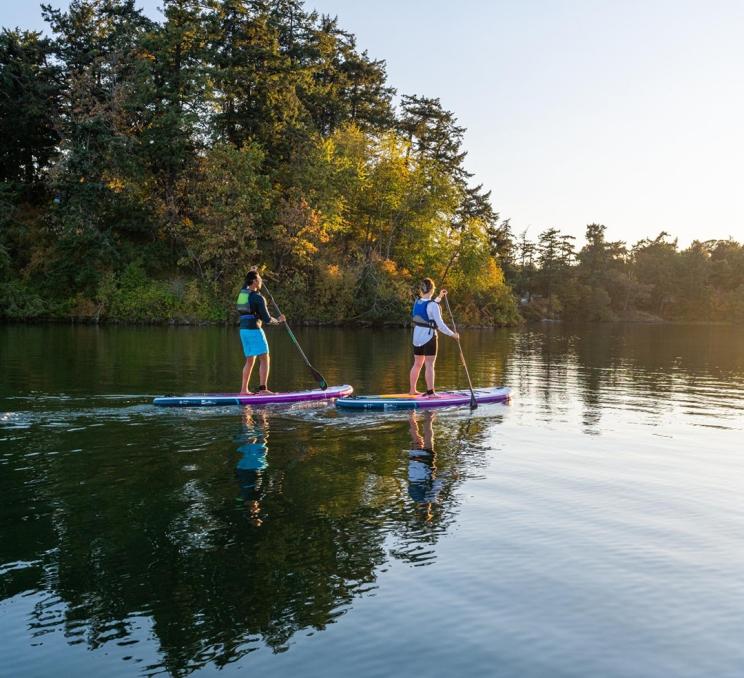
(430, 324)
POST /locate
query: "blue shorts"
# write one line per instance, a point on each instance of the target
(254, 342)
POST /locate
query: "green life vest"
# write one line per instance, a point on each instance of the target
(243, 304)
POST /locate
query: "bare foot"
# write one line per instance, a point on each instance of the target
(414, 393)
(264, 391)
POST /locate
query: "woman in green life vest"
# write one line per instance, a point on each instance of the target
(253, 315)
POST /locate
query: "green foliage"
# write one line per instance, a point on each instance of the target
(332, 296)
(17, 302)
(147, 165)
(382, 294)
(30, 90)
(132, 296)
(135, 297)
(651, 281)
(150, 164)
(224, 202)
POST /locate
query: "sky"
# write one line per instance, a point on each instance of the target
(629, 113)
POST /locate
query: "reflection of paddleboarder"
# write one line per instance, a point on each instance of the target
(423, 484)
(252, 463)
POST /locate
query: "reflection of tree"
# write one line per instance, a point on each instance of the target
(648, 368)
(147, 535)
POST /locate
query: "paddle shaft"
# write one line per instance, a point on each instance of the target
(473, 401)
(316, 375)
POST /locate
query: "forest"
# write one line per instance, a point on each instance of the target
(146, 165)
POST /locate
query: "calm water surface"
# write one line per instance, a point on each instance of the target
(592, 527)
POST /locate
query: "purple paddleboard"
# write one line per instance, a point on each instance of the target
(216, 399)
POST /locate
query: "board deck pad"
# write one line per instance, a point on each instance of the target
(218, 399)
(400, 401)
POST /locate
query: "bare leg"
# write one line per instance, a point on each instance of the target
(418, 363)
(417, 442)
(429, 373)
(247, 369)
(264, 364)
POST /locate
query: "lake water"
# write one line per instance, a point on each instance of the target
(594, 526)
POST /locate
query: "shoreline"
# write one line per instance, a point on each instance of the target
(352, 324)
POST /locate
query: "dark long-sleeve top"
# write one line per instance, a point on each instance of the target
(258, 312)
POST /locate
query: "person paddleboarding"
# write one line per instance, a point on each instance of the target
(253, 315)
(427, 319)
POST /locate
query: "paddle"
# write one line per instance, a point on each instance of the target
(316, 375)
(473, 401)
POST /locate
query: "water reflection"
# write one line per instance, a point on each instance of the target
(194, 539)
(253, 450)
(424, 481)
(604, 376)
(156, 543)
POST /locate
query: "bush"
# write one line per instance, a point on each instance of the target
(17, 302)
(382, 293)
(135, 297)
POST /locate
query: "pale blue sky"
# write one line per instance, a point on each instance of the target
(625, 112)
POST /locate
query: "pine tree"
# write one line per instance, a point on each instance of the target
(433, 133)
(30, 90)
(255, 82)
(97, 181)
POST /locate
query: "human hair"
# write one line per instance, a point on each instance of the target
(250, 278)
(427, 285)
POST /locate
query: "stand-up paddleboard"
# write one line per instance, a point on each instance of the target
(217, 399)
(400, 401)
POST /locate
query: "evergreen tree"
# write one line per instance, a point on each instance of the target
(255, 82)
(178, 103)
(551, 257)
(433, 133)
(344, 85)
(525, 281)
(97, 182)
(654, 262)
(30, 89)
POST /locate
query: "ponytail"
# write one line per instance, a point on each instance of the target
(427, 285)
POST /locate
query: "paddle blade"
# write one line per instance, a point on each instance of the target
(473, 402)
(319, 378)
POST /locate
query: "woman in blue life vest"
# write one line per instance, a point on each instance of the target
(427, 319)
(253, 314)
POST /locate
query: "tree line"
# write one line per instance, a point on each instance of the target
(609, 280)
(145, 165)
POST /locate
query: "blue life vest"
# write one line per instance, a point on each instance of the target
(420, 316)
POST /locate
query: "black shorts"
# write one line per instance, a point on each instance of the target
(429, 348)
